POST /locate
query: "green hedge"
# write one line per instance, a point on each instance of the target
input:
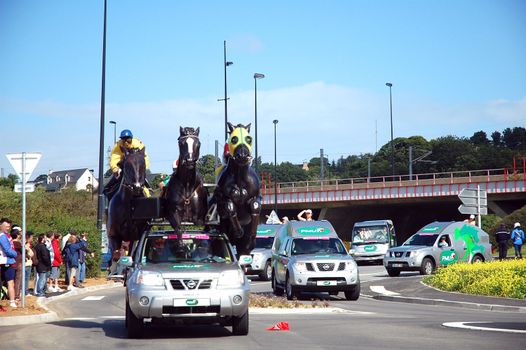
(498, 278)
(57, 212)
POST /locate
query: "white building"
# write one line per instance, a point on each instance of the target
(80, 179)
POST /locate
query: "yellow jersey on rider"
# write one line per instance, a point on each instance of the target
(117, 153)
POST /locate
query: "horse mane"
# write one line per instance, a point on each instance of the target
(188, 131)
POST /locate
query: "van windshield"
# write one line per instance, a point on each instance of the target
(317, 246)
(426, 239)
(264, 242)
(370, 234)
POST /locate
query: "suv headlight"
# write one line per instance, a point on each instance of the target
(256, 257)
(147, 278)
(350, 265)
(231, 278)
(300, 266)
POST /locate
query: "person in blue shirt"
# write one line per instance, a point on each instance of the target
(517, 237)
(7, 259)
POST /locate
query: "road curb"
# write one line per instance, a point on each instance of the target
(51, 316)
(442, 302)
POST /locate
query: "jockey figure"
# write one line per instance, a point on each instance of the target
(126, 141)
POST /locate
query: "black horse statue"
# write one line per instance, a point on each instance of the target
(120, 225)
(186, 199)
(237, 193)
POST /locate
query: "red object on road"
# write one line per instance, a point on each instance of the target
(280, 326)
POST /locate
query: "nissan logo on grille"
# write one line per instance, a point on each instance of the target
(398, 254)
(326, 267)
(191, 284)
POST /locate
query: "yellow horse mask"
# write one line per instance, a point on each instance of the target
(239, 135)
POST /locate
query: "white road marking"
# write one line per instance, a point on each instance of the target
(93, 298)
(463, 325)
(382, 290)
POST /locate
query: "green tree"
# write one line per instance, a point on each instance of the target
(206, 168)
(9, 181)
(479, 138)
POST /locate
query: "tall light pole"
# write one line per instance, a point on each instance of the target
(114, 131)
(226, 64)
(275, 121)
(256, 77)
(391, 112)
(100, 197)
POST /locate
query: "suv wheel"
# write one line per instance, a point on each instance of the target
(266, 274)
(240, 325)
(275, 288)
(393, 272)
(477, 259)
(134, 324)
(427, 267)
(353, 294)
(290, 290)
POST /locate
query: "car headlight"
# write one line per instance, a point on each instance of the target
(352, 251)
(231, 278)
(350, 265)
(148, 278)
(300, 266)
(256, 257)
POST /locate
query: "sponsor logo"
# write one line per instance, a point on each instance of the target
(191, 302)
(187, 266)
(370, 248)
(449, 257)
(266, 232)
(431, 229)
(313, 231)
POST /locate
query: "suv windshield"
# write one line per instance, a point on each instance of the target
(264, 242)
(370, 234)
(317, 246)
(188, 248)
(426, 239)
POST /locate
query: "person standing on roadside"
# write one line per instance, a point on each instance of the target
(517, 237)
(65, 242)
(7, 256)
(55, 265)
(49, 246)
(81, 275)
(72, 253)
(502, 236)
(16, 235)
(43, 266)
(308, 215)
(31, 259)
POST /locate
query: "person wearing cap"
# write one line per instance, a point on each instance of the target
(517, 237)
(471, 220)
(502, 236)
(126, 141)
(307, 213)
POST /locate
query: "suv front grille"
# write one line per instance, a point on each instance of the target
(191, 284)
(309, 267)
(325, 266)
(177, 310)
(341, 267)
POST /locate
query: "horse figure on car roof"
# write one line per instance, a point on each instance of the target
(237, 193)
(121, 227)
(186, 199)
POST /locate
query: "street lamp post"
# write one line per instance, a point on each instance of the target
(226, 64)
(275, 121)
(114, 131)
(390, 85)
(256, 77)
(100, 201)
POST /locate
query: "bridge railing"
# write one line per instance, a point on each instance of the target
(468, 176)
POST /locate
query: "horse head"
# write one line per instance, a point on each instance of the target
(189, 145)
(240, 144)
(134, 170)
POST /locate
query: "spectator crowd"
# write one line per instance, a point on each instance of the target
(45, 257)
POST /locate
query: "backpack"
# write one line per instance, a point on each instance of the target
(517, 236)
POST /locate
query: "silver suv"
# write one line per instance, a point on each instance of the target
(190, 277)
(309, 257)
(262, 253)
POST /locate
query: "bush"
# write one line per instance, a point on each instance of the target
(498, 278)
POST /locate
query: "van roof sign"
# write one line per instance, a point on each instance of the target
(313, 231)
(265, 232)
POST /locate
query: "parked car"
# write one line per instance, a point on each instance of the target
(308, 256)
(189, 277)
(262, 253)
(439, 244)
(371, 239)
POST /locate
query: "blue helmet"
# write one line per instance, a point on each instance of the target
(126, 133)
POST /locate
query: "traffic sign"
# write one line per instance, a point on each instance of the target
(463, 209)
(31, 161)
(29, 187)
(472, 193)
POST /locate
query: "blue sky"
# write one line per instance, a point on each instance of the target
(456, 67)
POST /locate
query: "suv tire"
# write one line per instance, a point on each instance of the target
(240, 325)
(353, 294)
(275, 288)
(393, 272)
(427, 267)
(134, 325)
(266, 274)
(289, 289)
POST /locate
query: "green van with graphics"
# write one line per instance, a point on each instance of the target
(439, 244)
(308, 256)
(371, 239)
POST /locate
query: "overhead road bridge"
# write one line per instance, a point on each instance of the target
(410, 201)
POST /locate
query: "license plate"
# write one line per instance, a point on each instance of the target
(397, 265)
(326, 283)
(192, 302)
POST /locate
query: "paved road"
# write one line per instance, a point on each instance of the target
(95, 321)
